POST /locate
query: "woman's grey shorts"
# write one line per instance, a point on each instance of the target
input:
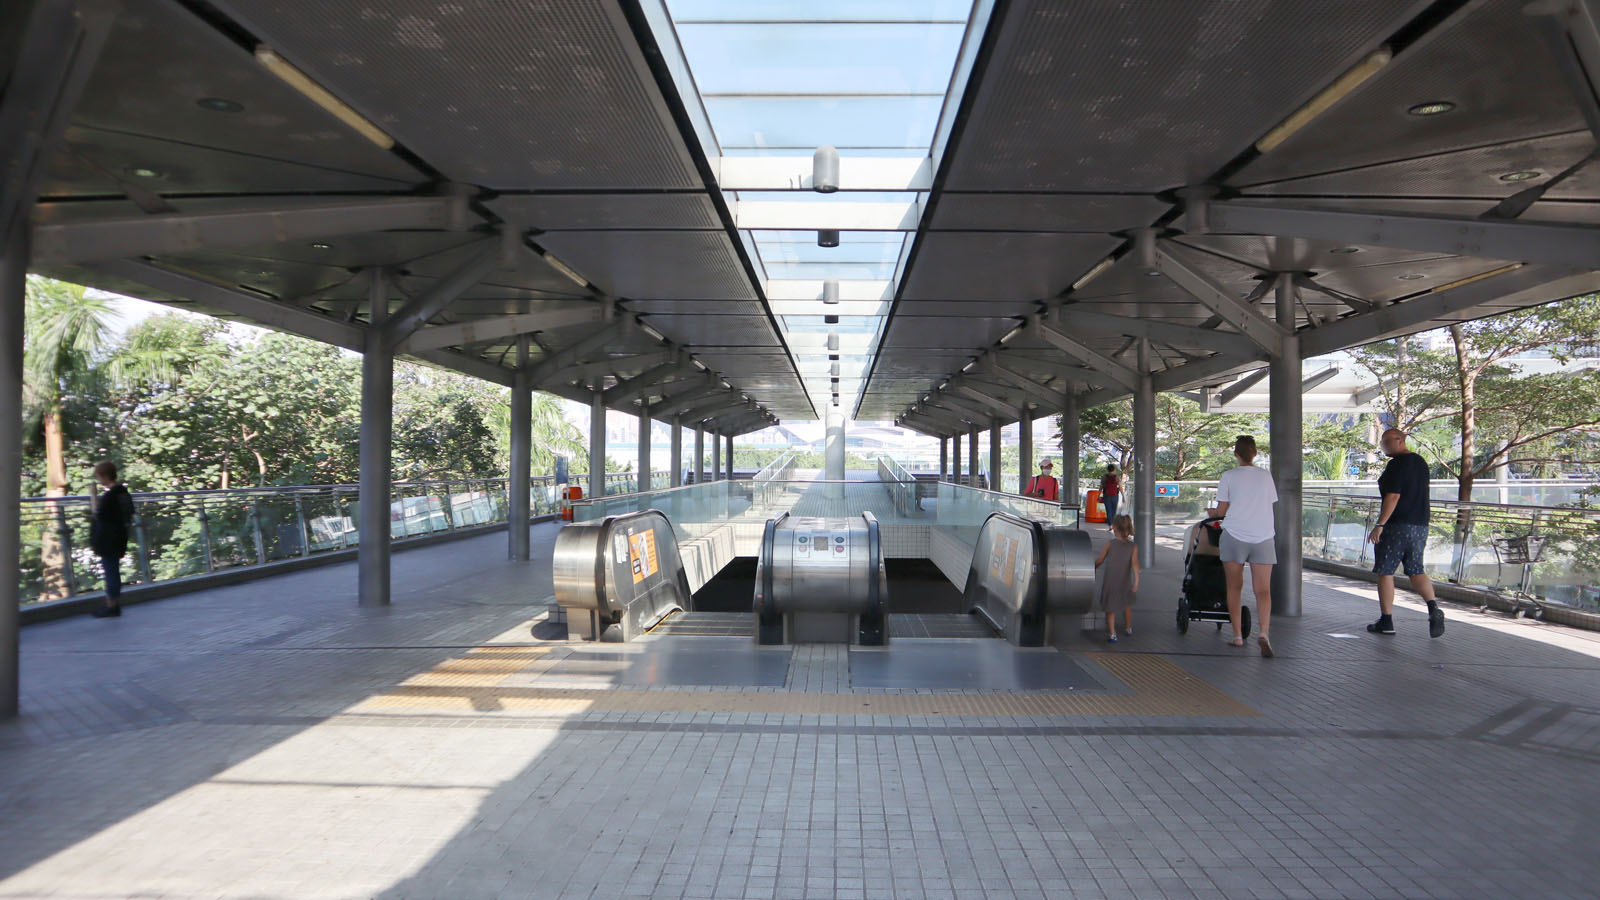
(1236, 551)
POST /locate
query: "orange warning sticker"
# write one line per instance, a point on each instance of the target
(642, 554)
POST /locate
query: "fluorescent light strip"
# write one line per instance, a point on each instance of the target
(319, 95)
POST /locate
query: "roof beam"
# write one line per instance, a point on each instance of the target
(1260, 330)
(545, 370)
(234, 302)
(55, 55)
(120, 237)
(610, 365)
(1124, 375)
(724, 398)
(645, 382)
(995, 406)
(1572, 30)
(1413, 314)
(437, 298)
(1531, 242)
(1047, 398)
(477, 331)
(958, 408)
(1074, 316)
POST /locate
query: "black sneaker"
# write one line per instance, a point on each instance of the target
(1384, 625)
(107, 612)
(1435, 620)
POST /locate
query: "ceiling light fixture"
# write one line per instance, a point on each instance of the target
(1329, 95)
(1431, 108)
(1411, 276)
(1345, 250)
(220, 104)
(828, 237)
(1526, 175)
(319, 95)
(566, 270)
(320, 246)
(144, 172)
(1093, 273)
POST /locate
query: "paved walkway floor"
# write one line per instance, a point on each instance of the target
(274, 740)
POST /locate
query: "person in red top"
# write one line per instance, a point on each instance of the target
(1111, 492)
(1043, 485)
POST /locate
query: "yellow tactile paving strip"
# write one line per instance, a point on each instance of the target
(475, 683)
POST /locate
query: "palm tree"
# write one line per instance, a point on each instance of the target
(67, 352)
(63, 339)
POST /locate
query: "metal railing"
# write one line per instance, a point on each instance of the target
(961, 506)
(1461, 544)
(900, 485)
(176, 534)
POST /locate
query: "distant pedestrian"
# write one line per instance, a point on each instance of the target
(1119, 583)
(1043, 485)
(1401, 534)
(1110, 493)
(1245, 495)
(108, 532)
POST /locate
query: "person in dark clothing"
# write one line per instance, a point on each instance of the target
(1401, 534)
(108, 533)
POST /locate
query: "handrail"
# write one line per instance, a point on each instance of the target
(900, 485)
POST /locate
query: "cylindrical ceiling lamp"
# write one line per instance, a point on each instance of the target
(825, 170)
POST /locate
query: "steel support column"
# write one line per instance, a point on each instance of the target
(730, 457)
(972, 455)
(1024, 447)
(1144, 460)
(1071, 447)
(597, 443)
(995, 474)
(955, 458)
(944, 458)
(716, 456)
(521, 453)
(676, 453)
(1285, 425)
(377, 436)
(699, 454)
(644, 446)
(13, 288)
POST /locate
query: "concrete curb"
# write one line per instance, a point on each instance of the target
(1555, 614)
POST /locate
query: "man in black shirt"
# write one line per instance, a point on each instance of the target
(1401, 535)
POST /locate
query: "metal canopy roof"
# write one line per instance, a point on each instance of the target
(1098, 173)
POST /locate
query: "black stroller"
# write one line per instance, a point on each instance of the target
(1205, 590)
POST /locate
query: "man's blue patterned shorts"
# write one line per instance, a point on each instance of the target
(1400, 544)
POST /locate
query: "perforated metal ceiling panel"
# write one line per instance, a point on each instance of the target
(1506, 93)
(703, 307)
(552, 212)
(942, 331)
(96, 162)
(509, 95)
(716, 331)
(655, 265)
(1044, 212)
(1271, 254)
(1002, 266)
(1477, 172)
(160, 60)
(1150, 94)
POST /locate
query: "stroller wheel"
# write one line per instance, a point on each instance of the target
(1219, 626)
(1183, 617)
(1244, 622)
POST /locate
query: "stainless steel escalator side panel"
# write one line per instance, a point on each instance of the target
(623, 571)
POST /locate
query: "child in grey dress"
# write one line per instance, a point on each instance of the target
(1119, 584)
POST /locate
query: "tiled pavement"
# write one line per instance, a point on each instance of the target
(274, 740)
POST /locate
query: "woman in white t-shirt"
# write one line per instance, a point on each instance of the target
(1244, 503)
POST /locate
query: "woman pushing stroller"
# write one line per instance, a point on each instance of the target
(1244, 504)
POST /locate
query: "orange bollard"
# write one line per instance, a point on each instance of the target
(1093, 510)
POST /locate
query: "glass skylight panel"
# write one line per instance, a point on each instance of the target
(691, 11)
(806, 123)
(784, 77)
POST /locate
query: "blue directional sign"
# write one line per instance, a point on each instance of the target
(1166, 490)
